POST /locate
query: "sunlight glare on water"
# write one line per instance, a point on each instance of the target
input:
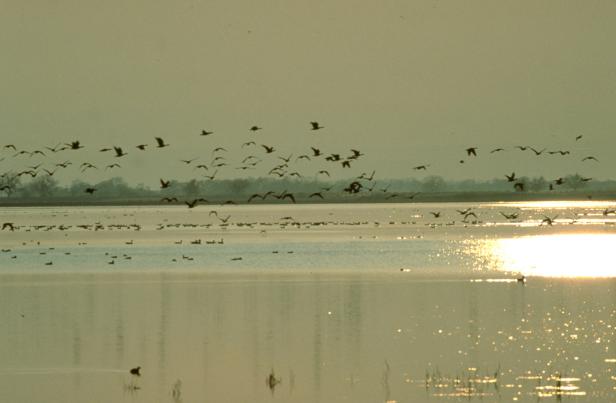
(559, 255)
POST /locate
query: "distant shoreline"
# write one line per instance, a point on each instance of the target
(435, 197)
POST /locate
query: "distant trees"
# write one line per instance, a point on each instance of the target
(41, 187)
(433, 183)
(9, 183)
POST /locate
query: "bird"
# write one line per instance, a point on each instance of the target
(436, 214)
(590, 158)
(164, 184)
(118, 151)
(268, 149)
(254, 196)
(8, 225)
(497, 150)
(465, 211)
(315, 152)
(547, 220)
(136, 371)
(522, 148)
(421, 167)
(510, 178)
(90, 190)
(346, 164)
(188, 161)
(192, 204)
(141, 146)
(160, 143)
(217, 149)
(73, 145)
(255, 128)
(511, 216)
(471, 151)
(206, 133)
(537, 152)
(316, 194)
(248, 143)
(323, 172)
(112, 166)
(578, 137)
(559, 181)
(316, 126)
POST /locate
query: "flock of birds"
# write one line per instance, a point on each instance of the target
(255, 154)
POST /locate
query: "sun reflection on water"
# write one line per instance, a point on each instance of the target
(560, 255)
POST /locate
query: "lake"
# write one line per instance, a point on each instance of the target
(309, 303)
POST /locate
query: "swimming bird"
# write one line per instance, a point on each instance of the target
(316, 126)
(160, 143)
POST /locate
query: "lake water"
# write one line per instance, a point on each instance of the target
(358, 303)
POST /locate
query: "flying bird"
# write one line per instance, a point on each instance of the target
(421, 167)
(205, 132)
(164, 184)
(141, 146)
(578, 137)
(118, 151)
(90, 190)
(315, 152)
(255, 128)
(136, 371)
(497, 150)
(268, 149)
(160, 143)
(471, 151)
(316, 126)
(590, 158)
(510, 178)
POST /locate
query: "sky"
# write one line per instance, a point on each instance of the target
(407, 83)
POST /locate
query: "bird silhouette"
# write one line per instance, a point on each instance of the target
(590, 158)
(169, 199)
(268, 149)
(323, 172)
(511, 216)
(255, 128)
(315, 152)
(206, 133)
(119, 152)
(578, 137)
(436, 214)
(537, 152)
(421, 167)
(141, 146)
(471, 151)
(316, 194)
(8, 225)
(315, 126)
(136, 371)
(164, 184)
(510, 178)
(73, 145)
(90, 190)
(497, 150)
(160, 143)
(248, 143)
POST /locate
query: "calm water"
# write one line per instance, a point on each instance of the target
(358, 303)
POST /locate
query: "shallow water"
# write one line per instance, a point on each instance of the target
(359, 303)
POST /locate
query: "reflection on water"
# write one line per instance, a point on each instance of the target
(319, 338)
(559, 255)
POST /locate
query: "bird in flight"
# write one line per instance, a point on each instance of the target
(73, 145)
(510, 178)
(471, 151)
(578, 137)
(537, 152)
(164, 184)
(206, 133)
(421, 167)
(315, 152)
(90, 190)
(255, 128)
(160, 143)
(248, 143)
(268, 149)
(590, 158)
(118, 151)
(511, 216)
(497, 150)
(8, 225)
(316, 126)
(436, 214)
(141, 146)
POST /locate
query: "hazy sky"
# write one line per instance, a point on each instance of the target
(406, 82)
